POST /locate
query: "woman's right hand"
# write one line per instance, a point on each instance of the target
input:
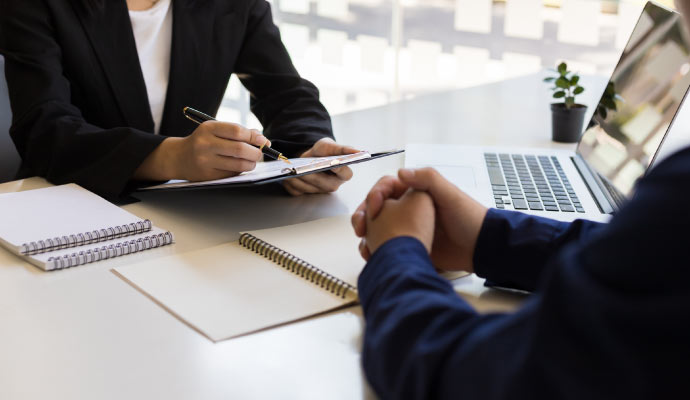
(215, 150)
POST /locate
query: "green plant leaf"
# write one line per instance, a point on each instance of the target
(574, 80)
(608, 103)
(602, 112)
(558, 95)
(549, 79)
(562, 83)
(562, 68)
(578, 90)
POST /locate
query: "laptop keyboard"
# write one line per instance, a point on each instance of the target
(529, 182)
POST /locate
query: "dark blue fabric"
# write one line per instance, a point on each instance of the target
(610, 317)
(513, 248)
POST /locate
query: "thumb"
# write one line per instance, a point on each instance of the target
(429, 180)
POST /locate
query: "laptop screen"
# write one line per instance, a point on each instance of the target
(640, 101)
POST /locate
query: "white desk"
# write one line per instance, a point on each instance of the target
(83, 333)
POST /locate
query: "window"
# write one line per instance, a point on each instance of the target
(367, 53)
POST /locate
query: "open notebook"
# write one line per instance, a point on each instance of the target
(64, 226)
(257, 282)
(269, 277)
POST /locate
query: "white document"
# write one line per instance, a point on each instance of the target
(270, 169)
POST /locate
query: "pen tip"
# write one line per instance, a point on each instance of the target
(282, 157)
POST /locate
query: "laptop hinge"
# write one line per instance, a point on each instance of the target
(604, 202)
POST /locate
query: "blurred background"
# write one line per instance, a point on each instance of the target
(367, 53)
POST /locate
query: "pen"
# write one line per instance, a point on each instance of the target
(199, 118)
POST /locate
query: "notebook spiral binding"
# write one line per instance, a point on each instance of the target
(299, 267)
(86, 238)
(110, 251)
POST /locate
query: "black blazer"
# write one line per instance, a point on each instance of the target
(78, 97)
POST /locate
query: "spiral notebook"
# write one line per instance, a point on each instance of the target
(267, 278)
(65, 226)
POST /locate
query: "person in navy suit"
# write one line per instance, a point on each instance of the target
(609, 316)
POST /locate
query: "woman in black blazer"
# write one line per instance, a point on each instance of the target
(80, 106)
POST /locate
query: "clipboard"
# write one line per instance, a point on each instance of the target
(273, 171)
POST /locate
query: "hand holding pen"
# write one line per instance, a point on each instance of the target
(200, 118)
(214, 150)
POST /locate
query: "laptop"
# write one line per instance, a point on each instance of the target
(617, 147)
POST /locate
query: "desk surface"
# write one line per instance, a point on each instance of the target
(83, 333)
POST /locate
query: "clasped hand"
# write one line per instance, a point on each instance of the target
(423, 205)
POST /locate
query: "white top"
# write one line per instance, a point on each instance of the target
(153, 36)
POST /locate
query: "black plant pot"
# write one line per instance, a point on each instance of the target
(566, 123)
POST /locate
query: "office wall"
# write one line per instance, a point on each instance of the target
(366, 53)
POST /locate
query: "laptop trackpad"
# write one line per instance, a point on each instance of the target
(461, 175)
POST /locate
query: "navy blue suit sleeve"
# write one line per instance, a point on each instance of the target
(513, 248)
(609, 318)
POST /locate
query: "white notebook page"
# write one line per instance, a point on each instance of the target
(228, 290)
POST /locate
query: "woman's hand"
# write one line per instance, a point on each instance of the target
(214, 150)
(323, 182)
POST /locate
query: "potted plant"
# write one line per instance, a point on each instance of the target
(607, 104)
(567, 117)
